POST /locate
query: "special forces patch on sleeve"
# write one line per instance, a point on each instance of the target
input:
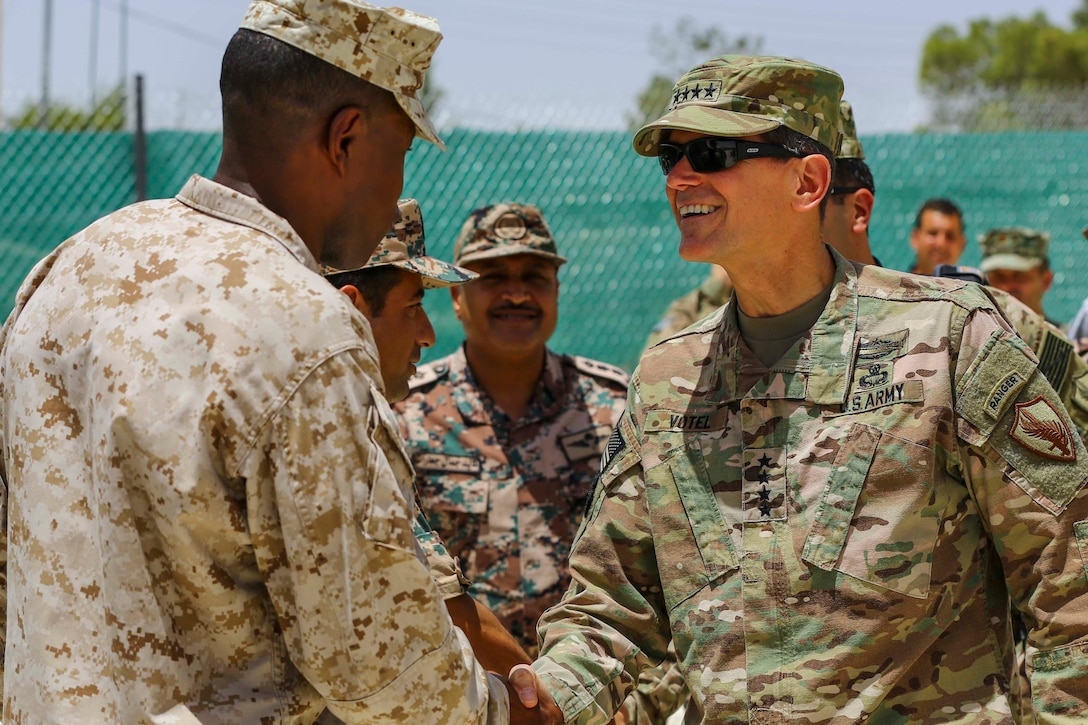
(1039, 427)
(1015, 412)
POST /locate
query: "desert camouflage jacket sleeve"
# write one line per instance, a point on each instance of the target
(210, 507)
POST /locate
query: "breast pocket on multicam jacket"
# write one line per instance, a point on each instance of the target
(879, 515)
(693, 545)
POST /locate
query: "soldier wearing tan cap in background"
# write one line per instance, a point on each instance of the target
(210, 512)
(826, 494)
(1015, 260)
(505, 434)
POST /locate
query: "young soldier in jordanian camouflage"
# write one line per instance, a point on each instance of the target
(828, 525)
(389, 291)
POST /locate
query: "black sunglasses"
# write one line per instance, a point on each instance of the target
(712, 153)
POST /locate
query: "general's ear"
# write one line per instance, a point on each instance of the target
(813, 182)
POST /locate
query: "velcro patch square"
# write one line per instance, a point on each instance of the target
(1039, 427)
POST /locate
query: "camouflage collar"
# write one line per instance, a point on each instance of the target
(222, 202)
(818, 368)
(476, 407)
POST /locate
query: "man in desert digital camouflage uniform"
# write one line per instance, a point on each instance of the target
(506, 435)
(208, 508)
(829, 525)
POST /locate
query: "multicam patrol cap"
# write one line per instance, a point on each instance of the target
(404, 246)
(389, 47)
(736, 95)
(501, 230)
(1016, 248)
(851, 146)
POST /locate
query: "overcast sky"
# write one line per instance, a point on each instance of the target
(503, 62)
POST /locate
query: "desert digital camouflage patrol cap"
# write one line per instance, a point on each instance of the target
(404, 246)
(1016, 248)
(851, 146)
(739, 95)
(501, 230)
(389, 47)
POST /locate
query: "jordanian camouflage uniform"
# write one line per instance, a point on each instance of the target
(507, 496)
(210, 507)
(836, 538)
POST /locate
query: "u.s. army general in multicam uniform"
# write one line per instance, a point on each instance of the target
(828, 525)
(506, 488)
(209, 515)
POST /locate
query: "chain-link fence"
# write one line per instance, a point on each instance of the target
(605, 204)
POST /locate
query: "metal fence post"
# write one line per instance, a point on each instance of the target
(139, 142)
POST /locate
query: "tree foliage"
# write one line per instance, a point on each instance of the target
(679, 49)
(108, 114)
(1014, 73)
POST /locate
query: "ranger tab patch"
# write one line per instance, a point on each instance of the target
(1039, 427)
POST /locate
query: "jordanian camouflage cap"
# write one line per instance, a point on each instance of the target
(501, 230)
(405, 246)
(1016, 248)
(851, 146)
(389, 47)
(738, 95)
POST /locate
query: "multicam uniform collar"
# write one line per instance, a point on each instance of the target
(819, 367)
